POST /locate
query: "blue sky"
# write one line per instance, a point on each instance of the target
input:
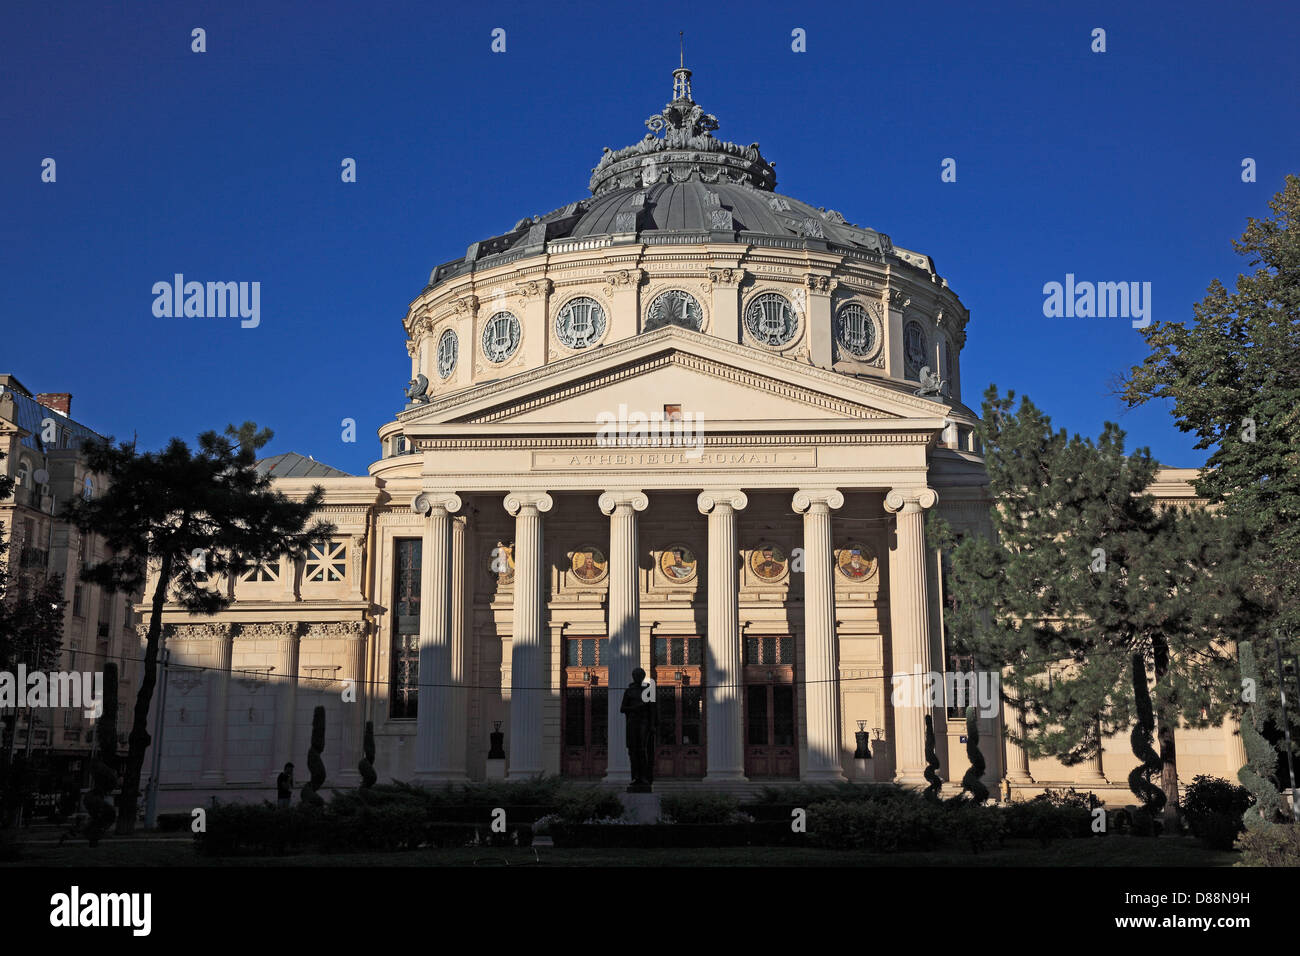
(1115, 166)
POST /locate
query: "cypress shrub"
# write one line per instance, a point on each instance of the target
(315, 766)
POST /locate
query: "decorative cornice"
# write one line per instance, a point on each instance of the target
(899, 300)
(532, 288)
(207, 631)
(542, 442)
(348, 630)
(625, 278)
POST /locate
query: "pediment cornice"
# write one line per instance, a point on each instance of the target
(748, 367)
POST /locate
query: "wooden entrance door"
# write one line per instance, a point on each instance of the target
(771, 747)
(585, 715)
(679, 737)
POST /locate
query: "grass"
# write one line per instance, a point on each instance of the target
(1114, 851)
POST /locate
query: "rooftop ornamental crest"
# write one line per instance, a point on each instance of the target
(687, 150)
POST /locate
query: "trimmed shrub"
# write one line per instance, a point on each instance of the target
(1276, 844)
(1040, 819)
(880, 827)
(316, 766)
(977, 827)
(971, 782)
(688, 808)
(1139, 778)
(366, 765)
(931, 762)
(1214, 809)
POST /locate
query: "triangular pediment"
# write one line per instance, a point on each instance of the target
(722, 381)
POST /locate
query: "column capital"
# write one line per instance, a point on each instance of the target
(517, 501)
(623, 497)
(806, 498)
(733, 498)
(426, 501)
(910, 500)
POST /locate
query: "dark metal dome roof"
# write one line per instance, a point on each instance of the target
(681, 187)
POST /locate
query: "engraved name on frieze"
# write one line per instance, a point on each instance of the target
(674, 459)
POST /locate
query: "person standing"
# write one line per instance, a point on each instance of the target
(284, 785)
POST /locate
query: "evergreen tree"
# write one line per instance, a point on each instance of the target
(184, 519)
(1256, 775)
(1233, 378)
(971, 782)
(1083, 571)
(931, 762)
(315, 766)
(366, 766)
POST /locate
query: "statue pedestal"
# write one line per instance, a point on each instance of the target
(496, 769)
(640, 807)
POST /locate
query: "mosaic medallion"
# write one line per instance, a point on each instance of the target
(856, 562)
(678, 563)
(768, 562)
(589, 564)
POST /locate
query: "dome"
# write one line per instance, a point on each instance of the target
(683, 186)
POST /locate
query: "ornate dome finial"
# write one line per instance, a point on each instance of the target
(681, 75)
(686, 150)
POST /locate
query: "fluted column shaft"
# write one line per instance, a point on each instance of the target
(624, 618)
(723, 680)
(433, 744)
(214, 734)
(909, 616)
(821, 660)
(527, 671)
(286, 710)
(1017, 759)
(460, 651)
(352, 715)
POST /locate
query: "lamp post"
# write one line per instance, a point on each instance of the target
(863, 740)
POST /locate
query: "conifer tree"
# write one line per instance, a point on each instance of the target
(185, 519)
(1082, 571)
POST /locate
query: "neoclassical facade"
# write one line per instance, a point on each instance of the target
(687, 423)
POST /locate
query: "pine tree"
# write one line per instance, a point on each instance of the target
(1233, 378)
(1083, 571)
(184, 519)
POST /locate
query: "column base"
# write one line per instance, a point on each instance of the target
(1019, 779)
(212, 778)
(439, 777)
(823, 776)
(525, 773)
(911, 779)
(725, 776)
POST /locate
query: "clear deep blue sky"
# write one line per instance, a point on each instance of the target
(1122, 166)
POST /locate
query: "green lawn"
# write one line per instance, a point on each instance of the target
(1107, 851)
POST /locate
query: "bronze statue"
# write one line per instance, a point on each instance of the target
(641, 712)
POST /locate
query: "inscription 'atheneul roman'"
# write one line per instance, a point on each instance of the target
(674, 458)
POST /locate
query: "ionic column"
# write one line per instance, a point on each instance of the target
(1091, 769)
(724, 714)
(1236, 747)
(286, 709)
(460, 650)
(909, 618)
(352, 713)
(1017, 758)
(822, 697)
(214, 735)
(527, 667)
(624, 618)
(433, 745)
